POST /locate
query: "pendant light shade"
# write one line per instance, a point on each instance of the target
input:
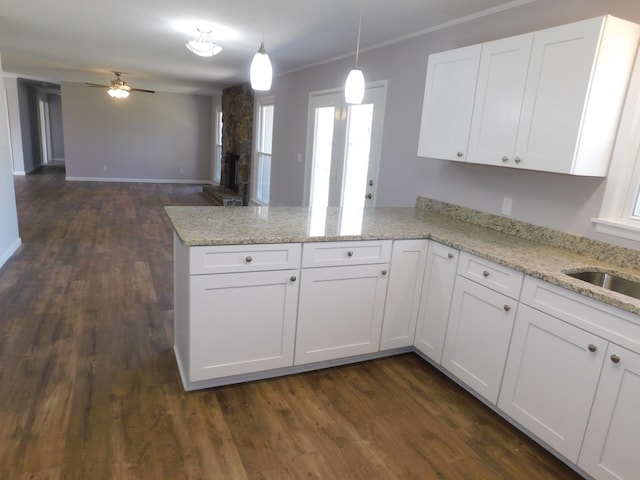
(354, 88)
(261, 72)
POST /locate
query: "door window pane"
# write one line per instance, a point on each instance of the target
(322, 149)
(360, 119)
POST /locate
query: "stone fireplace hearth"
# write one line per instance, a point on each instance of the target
(237, 138)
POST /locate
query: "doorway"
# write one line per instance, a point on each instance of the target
(343, 149)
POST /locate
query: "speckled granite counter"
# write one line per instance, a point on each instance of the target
(535, 251)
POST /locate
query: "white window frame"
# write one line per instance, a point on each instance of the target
(256, 168)
(623, 182)
(217, 145)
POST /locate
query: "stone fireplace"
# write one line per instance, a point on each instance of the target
(237, 139)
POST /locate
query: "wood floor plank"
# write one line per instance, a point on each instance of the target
(89, 387)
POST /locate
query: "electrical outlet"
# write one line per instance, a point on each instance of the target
(506, 205)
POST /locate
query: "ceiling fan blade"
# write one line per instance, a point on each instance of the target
(142, 90)
(96, 85)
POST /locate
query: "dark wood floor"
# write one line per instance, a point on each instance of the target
(89, 388)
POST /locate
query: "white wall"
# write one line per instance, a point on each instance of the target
(15, 127)
(162, 137)
(557, 201)
(9, 236)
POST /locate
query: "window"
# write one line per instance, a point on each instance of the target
(217, 160)
(620, 211)
(262, 156)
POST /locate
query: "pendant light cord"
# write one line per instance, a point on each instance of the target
(358, 42)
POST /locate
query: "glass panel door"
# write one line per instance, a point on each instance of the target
(344, 145)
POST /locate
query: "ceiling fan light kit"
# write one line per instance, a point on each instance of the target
(203, 46)
(118, 87)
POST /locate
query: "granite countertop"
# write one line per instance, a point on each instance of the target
(536, 254)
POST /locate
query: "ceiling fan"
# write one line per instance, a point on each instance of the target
(118, 87)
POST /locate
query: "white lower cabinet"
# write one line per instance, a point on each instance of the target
(478, 335)
(340, 312)
(611, 448)
(435, 300)
(550, 379)
(403, 293)
(242, 323)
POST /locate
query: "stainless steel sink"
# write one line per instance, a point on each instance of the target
(609, 281)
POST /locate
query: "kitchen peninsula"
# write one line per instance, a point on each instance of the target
(262, 292)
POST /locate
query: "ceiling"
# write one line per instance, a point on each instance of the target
(84, 40)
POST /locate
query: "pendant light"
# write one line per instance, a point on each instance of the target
(261, 72)
(354, 87)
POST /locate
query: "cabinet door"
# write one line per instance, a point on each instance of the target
(498, 103)
(551, 378)
(478, 335)
(403, 293)
(612, 442)
(435, 300)
(242, 323)
(559, 75)
(448, 103)
(340, 312)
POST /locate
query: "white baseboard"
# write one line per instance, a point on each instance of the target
(6, 255)
(136, 180)
(20, 173)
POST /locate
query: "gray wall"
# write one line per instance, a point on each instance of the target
(162, 137)
(9, 236)
(55, 126)
(11, 85)
(557, 201)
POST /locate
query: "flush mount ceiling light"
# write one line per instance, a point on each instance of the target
(354, 87)
(203, 46)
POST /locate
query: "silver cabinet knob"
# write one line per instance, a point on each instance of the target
(592, 348)
(450, 256)
(485, 274)
(505, 159)
(293, 278)
(507, 308)
(459, 154)
(368, 196)
(384, 272)
(615, 358)
(248, 259)
(350, 253)
(517, 159)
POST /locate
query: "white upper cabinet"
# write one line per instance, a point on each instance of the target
(496, 114)
(577, 81)
(547, 101)
(448, 103)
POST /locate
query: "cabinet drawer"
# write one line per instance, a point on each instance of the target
(244, 258)
(335, 254)
(485, 272)
(609, 322)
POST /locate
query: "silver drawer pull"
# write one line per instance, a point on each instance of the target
(459, 154)
(450, 256)
(384, 272)
(293, 278)
(248, 259)
(485, 274)
(592, 348)
(507, 308)
(505, 159)
(615, 358)
(350, 253)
